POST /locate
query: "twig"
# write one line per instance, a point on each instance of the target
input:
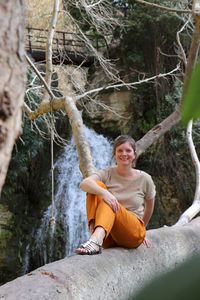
(179, 42)
(131, 84)
(40, 77)
(187, 11)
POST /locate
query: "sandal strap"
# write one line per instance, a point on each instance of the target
(96, 243)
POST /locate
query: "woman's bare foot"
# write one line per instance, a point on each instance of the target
(93, 246)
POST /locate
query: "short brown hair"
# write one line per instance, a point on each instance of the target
(121, 139)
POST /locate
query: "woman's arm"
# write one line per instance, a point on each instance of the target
(89, 185)
(148, 211)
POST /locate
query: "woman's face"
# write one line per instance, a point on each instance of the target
(125, 154)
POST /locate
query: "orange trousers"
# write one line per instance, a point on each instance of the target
(122, 228)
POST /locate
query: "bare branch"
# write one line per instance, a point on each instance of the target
(39, 76)
(49, 46)
(27, 109)
(179, 42)
(94, 4)
(131, 84)
(194, 209)
(106, 64)
(187, 11)
(57, 103)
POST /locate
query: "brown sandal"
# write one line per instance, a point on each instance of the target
(89, 248)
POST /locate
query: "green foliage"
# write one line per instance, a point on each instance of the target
(191, 101)
(181, 283)
(144, 110)
(173, 98)
(146, 31)
(25, 149)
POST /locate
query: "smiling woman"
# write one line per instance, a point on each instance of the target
(125, 154)
(120, 202)
(124, 150)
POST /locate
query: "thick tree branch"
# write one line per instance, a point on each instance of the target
(157, 131)
(61, 280)
(49, 47)
(12, 79)
(45, 107)
(85, 159)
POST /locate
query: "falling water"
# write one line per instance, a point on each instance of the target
(70, 202)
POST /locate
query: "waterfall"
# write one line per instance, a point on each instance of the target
(70, 202)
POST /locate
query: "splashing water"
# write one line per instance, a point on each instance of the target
(70, 201)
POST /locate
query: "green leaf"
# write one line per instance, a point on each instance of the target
(191, 101)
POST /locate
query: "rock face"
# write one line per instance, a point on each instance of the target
(114, 121)
(115, 274)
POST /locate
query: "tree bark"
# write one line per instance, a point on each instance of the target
(85, 159)
(12, 78)
(157, 131)
(49, 45)
(117, 273)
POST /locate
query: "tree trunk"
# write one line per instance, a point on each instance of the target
(12, 78)
(117, 273)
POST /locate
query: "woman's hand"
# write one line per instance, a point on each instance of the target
(111, 200)
(147, 243)
(89, 185)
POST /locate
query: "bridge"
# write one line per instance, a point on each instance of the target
(67, 47)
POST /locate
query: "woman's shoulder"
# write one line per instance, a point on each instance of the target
(105, 173)
(106, 170)
(145, 175)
